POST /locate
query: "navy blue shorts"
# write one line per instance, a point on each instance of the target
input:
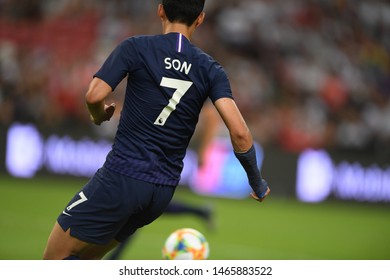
(113, 206)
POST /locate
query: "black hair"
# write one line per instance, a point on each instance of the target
(183, 11)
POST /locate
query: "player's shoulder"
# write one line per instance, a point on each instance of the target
(138, 39)
(209, 62)
(148, 42)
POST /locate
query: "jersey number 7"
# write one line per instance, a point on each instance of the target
(181, 87)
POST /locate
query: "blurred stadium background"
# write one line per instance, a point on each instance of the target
(311, 77)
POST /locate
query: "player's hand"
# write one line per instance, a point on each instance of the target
(110, 110)
(106, 116)
(260, 199)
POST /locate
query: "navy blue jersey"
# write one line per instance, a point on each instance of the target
(168, 80)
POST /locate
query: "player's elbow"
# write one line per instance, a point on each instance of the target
(91, 97)
(241, 139)
(97, 92)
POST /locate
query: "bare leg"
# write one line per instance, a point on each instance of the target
(61, 245)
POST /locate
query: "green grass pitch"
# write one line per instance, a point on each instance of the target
(277, 229)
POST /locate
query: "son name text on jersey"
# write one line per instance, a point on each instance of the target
(177, 65)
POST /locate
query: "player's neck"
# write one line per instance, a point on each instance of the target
(179, 28)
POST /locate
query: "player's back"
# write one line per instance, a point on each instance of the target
(168, 81)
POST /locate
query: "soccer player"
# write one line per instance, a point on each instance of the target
(168, 81)
(209, 119)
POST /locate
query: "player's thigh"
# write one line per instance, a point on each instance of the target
(162, 195)
(61, 245)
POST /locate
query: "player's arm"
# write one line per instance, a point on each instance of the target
(95, 99)
(242, 142)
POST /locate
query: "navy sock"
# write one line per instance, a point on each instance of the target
(72, 257)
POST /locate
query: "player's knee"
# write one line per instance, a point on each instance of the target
(51, 254)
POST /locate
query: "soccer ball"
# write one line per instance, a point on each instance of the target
(186, 244)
